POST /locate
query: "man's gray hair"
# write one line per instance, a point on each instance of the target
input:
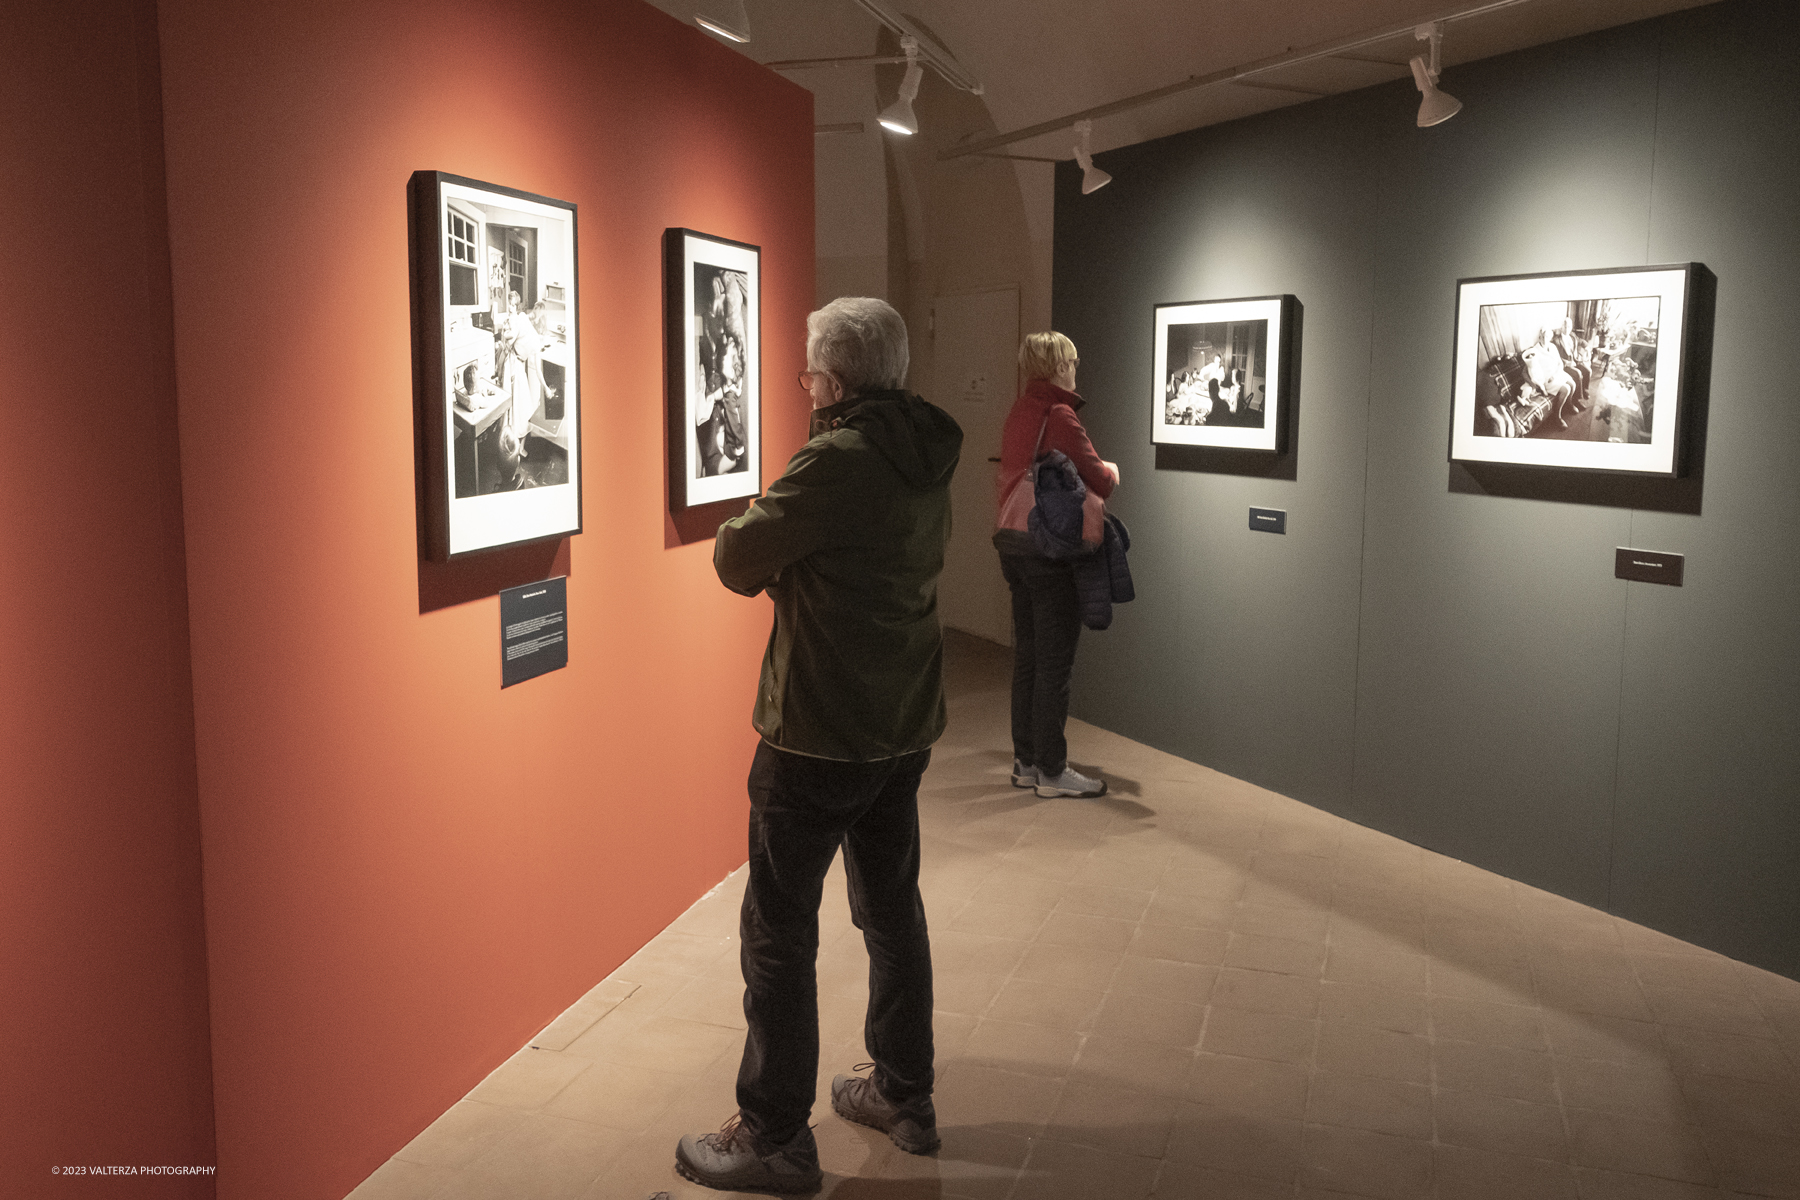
(860, 340)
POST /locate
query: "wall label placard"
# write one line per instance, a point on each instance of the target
(1268, 520)
(1648, 566)
(534, 630)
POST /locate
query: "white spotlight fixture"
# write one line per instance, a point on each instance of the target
(898, 117)
(1092, 177)
(726, 18)
(1436, 107)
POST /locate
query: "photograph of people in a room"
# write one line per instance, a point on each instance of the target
(1574, 370)
(718, 403)
(714, 331)
(509, 313)
(1216, 374)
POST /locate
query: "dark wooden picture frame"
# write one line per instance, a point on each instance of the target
(1234, 387)
(496, 365)
(712, 322)
(1590, 371)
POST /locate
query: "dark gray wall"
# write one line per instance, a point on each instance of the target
(1457, 668)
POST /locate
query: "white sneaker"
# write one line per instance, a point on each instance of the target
(1070, 783)
(1024, 776)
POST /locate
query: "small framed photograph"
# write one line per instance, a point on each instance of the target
(1223, 374)
(713, 323)
(1584, 370)
(496, 364)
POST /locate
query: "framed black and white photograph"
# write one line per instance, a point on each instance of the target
(1223, 372)
(497, 375)
(713, 320)
(1583, 370)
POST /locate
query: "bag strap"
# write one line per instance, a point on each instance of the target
(1038, 449)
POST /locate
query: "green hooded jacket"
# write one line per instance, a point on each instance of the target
(849, 543)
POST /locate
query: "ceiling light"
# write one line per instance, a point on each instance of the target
(1436, 107)
(1092, 177)
(898, 117)
(726, 18)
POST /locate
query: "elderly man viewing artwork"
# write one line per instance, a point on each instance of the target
(848, 543)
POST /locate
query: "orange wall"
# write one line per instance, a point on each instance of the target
(408, 871)
(103, 1056)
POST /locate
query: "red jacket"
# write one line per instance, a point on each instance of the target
(1063, 431)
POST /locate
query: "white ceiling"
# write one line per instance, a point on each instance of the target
(1039, 60)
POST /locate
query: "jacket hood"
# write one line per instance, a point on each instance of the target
(919, 440)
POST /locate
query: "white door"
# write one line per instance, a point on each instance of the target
(976, 350)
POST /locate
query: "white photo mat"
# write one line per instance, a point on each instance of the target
(514, 514)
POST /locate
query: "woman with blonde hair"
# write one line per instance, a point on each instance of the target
(1046, 613)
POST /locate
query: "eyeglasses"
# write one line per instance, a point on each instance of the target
(807, 377)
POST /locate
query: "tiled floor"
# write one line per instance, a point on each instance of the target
(1194, 988)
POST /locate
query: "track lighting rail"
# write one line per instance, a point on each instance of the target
(1243, 75)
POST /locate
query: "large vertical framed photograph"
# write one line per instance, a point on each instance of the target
(1586, 370)
(496, 364)
(1223, 373)
(713, 324)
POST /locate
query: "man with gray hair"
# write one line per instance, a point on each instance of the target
(848, 543)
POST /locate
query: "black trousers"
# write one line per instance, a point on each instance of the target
(1046, 624)
(801, 811)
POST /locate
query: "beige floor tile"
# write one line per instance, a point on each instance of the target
(1637, 1147)
(529, 1078)
(1374, 1007)
(1005, 885)
(1494, 1070)
(547, 1158)
(1057, 1171)
(1123, 865)
(1290, 924)
(1763, 1166)
(465, 1132)
(1716, 1012)
(1237, 1142)
(1042, 863)
(1608, 1039)
(1362, 1163)
(1071, 966)
(999, 920)
(1259, 1035)
(627, 1098)
(665, 1043)
(1173, 1024)
(1466, 1174)
(1107, 1116)
(1029, 1002)
(953, 953)
(1003, 1101)
(1254, 952)
(1096, 900)
(1699, 1052)
(1261, 991)
(1647, 1093)
(1183, 1181)
(1515, 1026)
(1023, 1049)
(579, 1017)
(1501, 1125)
(1215, 884)
(1495, 982)
(1377, 968)
(973, 1162)
(710, 1002)
(1182, 944)
(1165, 979)
(1136, 1065)
(398, 1179)
(1615, 1185)
(1377, 1053)
(1093, 933)
(1380, 1105)
(1256, 1085)
(969, 993)
(1742, 1106)
(1711, 973)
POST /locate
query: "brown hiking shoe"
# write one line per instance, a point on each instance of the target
(913, 1126)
